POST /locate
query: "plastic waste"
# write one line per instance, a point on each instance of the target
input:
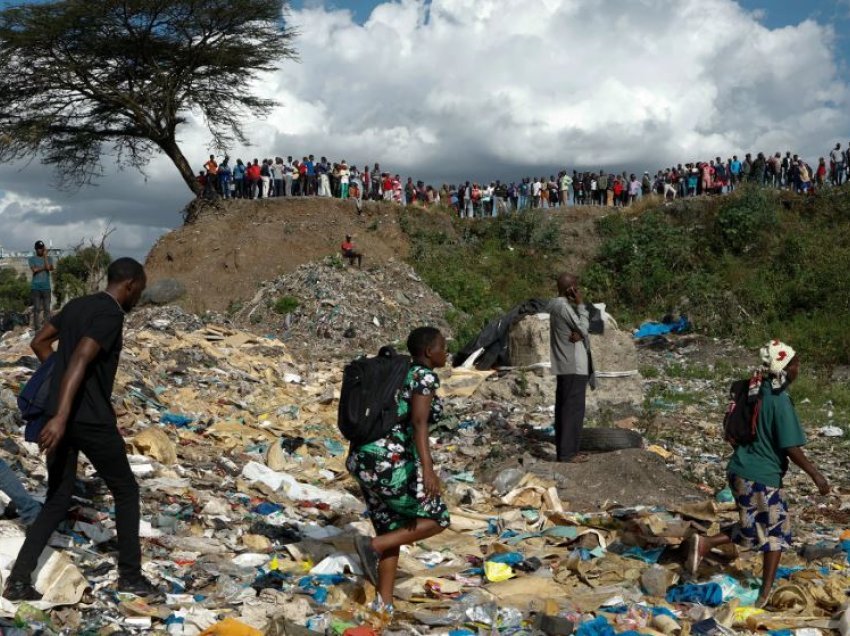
(710, 594)
(497, 572)
(598, 626)
(507, 480)
(176, 419)
(656, 580)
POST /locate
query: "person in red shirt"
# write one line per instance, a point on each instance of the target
(350, 252)
(253, 174)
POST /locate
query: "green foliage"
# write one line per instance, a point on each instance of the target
(750, 266)
(741, 219)
(80, 76)
(484, 267)
(80, 273)
(285, 305)
(14, 290)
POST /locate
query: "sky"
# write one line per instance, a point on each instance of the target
(449, 90)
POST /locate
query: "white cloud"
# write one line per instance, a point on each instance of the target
(456, 89)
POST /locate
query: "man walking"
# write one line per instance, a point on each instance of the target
(89, 331)
(569, 342)
(41, 265)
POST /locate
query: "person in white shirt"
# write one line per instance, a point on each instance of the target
(536, 189)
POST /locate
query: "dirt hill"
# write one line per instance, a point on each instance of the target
(225, 255)
(231, 249)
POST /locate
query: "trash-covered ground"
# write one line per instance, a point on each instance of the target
(328, 307)
(249, 514)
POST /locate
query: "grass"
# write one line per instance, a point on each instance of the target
(747, 267)
(484, 267)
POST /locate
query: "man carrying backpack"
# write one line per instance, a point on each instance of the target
(89, 332)
(756, 469)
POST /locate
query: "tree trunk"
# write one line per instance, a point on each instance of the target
(172, 150)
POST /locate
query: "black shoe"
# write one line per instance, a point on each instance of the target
(11, 512)
(368, 558)
(138, 585)
(20, 591)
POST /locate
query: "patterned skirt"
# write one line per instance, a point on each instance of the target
(763, 524)
(390, 477)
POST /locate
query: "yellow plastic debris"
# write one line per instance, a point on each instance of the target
(497, 572)
(231, 627)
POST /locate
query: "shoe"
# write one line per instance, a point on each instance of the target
(20, 591)
(368, 558)
(11, 512)
(138, 585)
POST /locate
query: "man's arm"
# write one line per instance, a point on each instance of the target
(42, 344)
(53, 431)
(48, 263)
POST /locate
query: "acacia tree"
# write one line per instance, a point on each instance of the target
(80, 76)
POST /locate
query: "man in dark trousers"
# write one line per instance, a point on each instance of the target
(569, 342)
(89, 332)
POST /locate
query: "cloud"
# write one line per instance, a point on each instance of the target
(454, 89)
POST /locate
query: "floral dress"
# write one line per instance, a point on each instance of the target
(389, 471)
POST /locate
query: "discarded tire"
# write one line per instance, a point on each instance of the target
(609, 439)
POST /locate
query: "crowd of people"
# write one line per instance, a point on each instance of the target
(290, 177)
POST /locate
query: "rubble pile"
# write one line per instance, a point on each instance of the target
(327, 307)
(249, 515)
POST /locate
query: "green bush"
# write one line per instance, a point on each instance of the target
(741, 219)
(483, 267)
(749, 266)
(14, 290)
(285, 305)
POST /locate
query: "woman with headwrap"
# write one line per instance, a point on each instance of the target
(755, 470)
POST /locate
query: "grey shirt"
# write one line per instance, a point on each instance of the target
(568, 358)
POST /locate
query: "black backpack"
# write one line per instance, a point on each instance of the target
(368, 401)
(742, 414)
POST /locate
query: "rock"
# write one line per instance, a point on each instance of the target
(163, 292)
(619, 390)
(528, 341)
(154, 442)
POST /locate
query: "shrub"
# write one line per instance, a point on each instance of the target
(14, 290)
(285, 305)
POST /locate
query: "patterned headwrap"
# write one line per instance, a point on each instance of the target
(775, 356)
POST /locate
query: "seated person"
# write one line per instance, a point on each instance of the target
(350, 252)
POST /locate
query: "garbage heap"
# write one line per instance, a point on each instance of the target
(249, 515)
(328, 307)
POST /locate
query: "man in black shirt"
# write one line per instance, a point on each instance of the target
(89, 332)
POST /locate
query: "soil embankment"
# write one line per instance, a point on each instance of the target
(224, 256)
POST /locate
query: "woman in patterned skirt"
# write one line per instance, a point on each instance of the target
(756, 470)
(396, 473)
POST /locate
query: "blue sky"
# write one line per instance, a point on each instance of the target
(487, 89)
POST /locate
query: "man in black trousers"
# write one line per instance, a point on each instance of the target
(569, 342)
(89, 331)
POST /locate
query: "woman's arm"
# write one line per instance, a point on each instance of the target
(420, 409)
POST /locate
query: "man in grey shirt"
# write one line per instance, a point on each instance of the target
(569, 341)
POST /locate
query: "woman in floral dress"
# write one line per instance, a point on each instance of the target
(396, 473)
